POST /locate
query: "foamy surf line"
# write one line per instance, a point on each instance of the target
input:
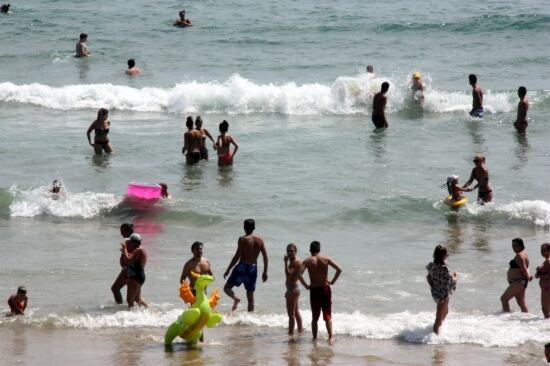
(504, 330)
(237, 95)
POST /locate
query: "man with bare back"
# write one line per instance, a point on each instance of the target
(319, 287)
(197, 264)
(249, 248)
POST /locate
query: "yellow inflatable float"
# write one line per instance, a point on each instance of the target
(189, 325)
(455, 204)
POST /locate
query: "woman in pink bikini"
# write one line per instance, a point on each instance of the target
(225, 156)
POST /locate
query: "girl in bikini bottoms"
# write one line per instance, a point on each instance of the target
(225, 157)
(481, 174)
(543, 273)
(101, 128)
(292, 272)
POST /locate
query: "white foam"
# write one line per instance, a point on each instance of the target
(537, 212)
(237, 95)
(39, 201)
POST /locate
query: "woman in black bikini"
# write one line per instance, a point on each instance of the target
(518, 277)
(101, 131)
(481, 174)
(136, 269)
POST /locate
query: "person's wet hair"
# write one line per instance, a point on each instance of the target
(440, 253)
(126, 229)
(545, 247)
(249, 226)
(189, 122)
(472, 78)
(131, 63)
(385, 86)
(314, 247)
(83, 36)
(370, 68)
(293, 246)
(163, 189)
(195, 245)
(519, 242)
(198, 121)
(102, 113)
(21, 290)
(522, 91)
(224, 126)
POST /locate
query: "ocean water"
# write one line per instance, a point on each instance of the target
(289, 77)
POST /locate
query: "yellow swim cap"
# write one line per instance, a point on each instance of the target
(417, 75)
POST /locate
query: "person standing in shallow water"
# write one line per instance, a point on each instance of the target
(477, 97)
(249, 248)
(204, 133)
(293, 267)
(81, 49)
(518, 277)
(379, 105)
(225, 140)
(442, 284)
(18, 302)
(523, 106)
(481, 174)
(320, 294)
(192, 143)
(543, 274)
(136, 260)
(126, 230)
(101, 127)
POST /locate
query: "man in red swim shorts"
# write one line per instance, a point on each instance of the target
(319, 287)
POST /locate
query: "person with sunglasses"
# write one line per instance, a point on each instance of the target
(481, 174)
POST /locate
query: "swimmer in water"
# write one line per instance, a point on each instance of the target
(192, 143)
(481, 174)
(101, 127)
(370, 71)
(183, 21)
(523, 106)
(132, 69)
(543, 274)
(57, 187)
(225, 156)
(164, 190)
(18, 302)
(379, 105)
(5, 8)
(204, 133)
(417, 87)
(477, 97)
(454, 190)
(81, 48)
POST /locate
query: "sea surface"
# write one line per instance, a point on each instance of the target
(289, 77)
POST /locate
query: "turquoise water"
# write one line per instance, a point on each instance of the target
(289, 79)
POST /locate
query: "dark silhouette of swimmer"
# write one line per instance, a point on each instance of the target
(183, 21)
(5, 8)
(379, 106)
(477, 97)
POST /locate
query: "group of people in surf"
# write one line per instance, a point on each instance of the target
(417, 88)
(194, 139)
(442, 281)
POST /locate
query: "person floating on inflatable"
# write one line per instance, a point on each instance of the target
(190, 324)
(455, 198)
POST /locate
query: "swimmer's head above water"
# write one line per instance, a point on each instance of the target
(224, 126)
(189, 122)
(522, 91)
(385, 87)
(370, 69)
(472, 78)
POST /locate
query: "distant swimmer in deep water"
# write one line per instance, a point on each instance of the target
(192, 142)
(481, 174)
(5, 8)
(225, 140)
(183, 21)
(101, 127)
(81, 47)
(18, 302)
(132, 69)
(417, 87)
(57, 187)
(523, 106)
(164, 190)
(379, 106)
(477, 95)
(370, 71)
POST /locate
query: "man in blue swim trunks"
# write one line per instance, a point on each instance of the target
(477, 95)
(249, 248)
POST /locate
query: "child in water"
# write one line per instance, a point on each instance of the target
(57, 188)
(543, 273)
(454, 190)
(18, 302)
(164, 190)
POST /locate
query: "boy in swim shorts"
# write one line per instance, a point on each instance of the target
(249, 248)
(320, 295)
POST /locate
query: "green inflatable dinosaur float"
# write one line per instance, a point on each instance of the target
(190, 324)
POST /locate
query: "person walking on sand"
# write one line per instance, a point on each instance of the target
(192, 143)
(249, 248)
(481, 174)
(293, 267)
(442, 284)
(81, 47)
(197, 264)
(320, 295)
(477, 97)
(126, 230)
(543, 274)
(523, 106)
(518, 277)
(18, 302)
(225, 156)
(379, 105)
